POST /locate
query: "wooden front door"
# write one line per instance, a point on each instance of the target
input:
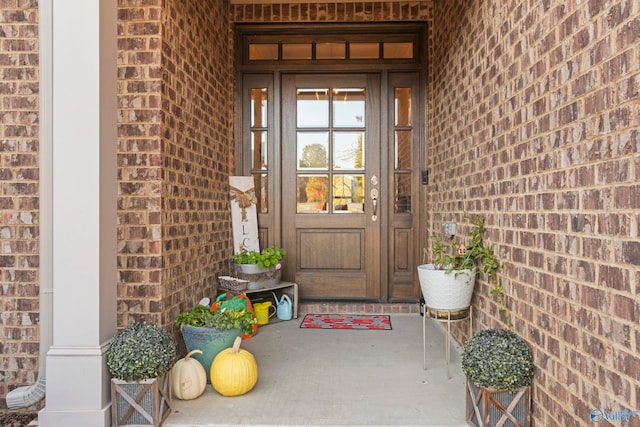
(330, 123)
(331, 184)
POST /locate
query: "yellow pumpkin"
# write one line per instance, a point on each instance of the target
(234, 371)
(188, 377)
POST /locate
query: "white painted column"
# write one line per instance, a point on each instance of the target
(83, 79)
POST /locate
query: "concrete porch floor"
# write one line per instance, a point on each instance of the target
(313, 377)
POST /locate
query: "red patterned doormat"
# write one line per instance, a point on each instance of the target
(347, 321)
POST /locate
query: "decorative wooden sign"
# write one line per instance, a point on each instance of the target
(244, 216)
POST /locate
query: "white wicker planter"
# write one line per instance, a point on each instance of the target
(446, 291)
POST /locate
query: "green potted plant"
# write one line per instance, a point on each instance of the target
(260, 268)
(447, 284)
(213, 328)
(139, 359)
(499, 367)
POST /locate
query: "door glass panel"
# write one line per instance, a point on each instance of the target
(312, 194)
(312, 108)
(263, 51)
(364, 50)
(402, 195)
(402, 50)
(403, 149)
(331, 51)
(336, 145)
(259, 149)
(348, 150)
(313, 150)
(403, 106)
(348, 193)
(259, 98)
(403, 139)
(259, 143)
(296, 51)
(260, 186)
(348, 107)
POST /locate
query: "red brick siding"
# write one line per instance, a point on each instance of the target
(534, 124)
(19, 214)
(197, 141)
(139, 161)
(359, 11)
(174, 155)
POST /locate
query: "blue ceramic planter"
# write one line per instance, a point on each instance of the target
(210, 341)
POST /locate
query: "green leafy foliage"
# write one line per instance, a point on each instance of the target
(225, 318)
(498, 359)
(269, 257)
(141, 351)
(474, 253)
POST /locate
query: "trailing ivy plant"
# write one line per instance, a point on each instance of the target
(473, 253)
(497, 359)
(141, 351)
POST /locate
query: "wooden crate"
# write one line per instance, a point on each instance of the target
(487, 407)
(141, 403)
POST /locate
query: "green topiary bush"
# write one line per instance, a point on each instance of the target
(141, 351)
(498, 359)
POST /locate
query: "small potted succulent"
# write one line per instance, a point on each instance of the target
(212, 328)
(260, 268)
(499, 367)
(139, 359)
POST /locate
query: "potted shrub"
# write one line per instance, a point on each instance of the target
(213, 328)
(261, 269)
(139, 359)
(447, 284)
(499, 367)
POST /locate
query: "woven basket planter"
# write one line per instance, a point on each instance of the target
(258, 277)
(232, 284)
(141, 403)
(446, 293)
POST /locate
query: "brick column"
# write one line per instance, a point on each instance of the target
(84, 84)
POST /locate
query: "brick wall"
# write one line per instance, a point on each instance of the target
(358, 11)
(19, 214)
(174, 155)
(197, 141)
(534, 124)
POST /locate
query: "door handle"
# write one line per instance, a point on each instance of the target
(374, 201)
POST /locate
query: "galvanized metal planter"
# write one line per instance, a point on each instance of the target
(140, 403)
(489, 407)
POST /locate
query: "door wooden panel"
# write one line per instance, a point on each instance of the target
(330, 249)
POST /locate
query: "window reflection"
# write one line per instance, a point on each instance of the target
(312, 194)
(348, 107)
(293, 51)
(312, 108)
(336, 146)
(331, 50)
(403, 149)
(403, 106)
(259, 149)
(348, 193)
(402, 192)
(348, 150)
(313, 150)
(260, 186)
(364, 50)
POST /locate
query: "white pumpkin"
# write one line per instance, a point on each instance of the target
(188, 377)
